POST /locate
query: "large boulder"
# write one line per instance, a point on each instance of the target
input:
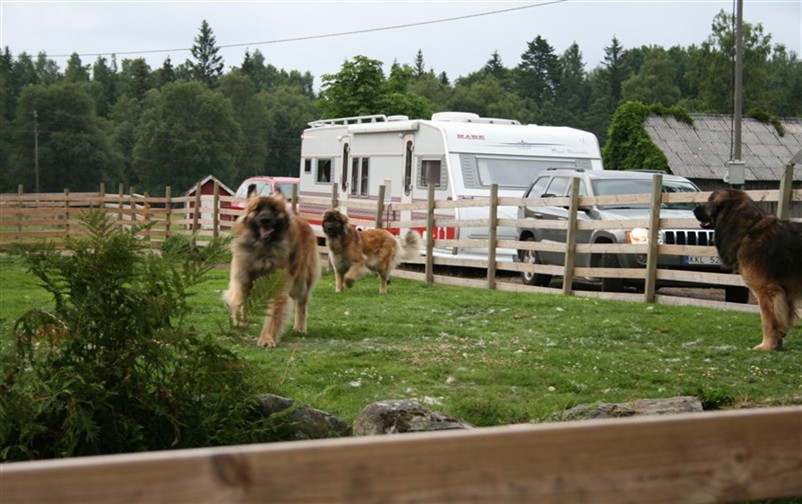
(297, 421)
(405, 415)
(671, 405)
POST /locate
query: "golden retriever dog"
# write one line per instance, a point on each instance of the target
(352, 252)
(268, 237)
(766, 251)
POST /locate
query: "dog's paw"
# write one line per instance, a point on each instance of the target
(238, 321)
(768, 346)
(266, 342)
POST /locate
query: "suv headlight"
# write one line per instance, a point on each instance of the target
(640, 236)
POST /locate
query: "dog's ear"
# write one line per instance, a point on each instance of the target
(239, 224)
(279, 198)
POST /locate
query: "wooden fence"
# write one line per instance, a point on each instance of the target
(729, 456)
(28, 218)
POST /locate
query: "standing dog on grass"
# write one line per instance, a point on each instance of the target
(765, 250)
(351, 252)
(269, 238)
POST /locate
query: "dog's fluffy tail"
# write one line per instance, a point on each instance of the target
(410, 246)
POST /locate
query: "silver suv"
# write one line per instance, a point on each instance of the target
(557, 183)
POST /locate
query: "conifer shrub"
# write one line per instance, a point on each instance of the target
(113, 367)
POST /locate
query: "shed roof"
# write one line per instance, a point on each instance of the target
(224, 189)
(701, 151)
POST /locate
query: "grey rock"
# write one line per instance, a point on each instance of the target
(399, 416)
(298, 421)
(671, 405)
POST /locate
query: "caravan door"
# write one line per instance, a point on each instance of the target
(404, 193)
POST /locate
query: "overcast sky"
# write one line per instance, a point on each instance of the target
(456, 37)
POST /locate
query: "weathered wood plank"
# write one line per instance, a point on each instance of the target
(692, 458)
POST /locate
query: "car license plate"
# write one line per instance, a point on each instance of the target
(701, 260)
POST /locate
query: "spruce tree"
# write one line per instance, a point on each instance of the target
(208, 65)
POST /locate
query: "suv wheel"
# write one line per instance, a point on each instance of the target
(528, 277)
(611, 284)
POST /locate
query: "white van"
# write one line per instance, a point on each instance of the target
(460, 153)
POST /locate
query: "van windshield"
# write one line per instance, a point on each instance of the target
(254, 187)
(285, 188)
(515, 172)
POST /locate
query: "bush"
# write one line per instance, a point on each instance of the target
(113, 368)
(629, 146)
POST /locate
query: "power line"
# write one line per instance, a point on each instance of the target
(327, 35)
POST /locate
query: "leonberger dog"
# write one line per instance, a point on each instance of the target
(766, 251)
(269, 237)
(353, 252)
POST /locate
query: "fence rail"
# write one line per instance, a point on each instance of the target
(729, 456)
(31, 218)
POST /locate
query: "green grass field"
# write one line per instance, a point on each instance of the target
(488, 357)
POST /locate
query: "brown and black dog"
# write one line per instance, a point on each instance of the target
(352, 252)
(766, 251)
(270, 238)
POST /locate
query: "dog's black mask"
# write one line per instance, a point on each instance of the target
(333, 224)
(704, 218)
(270, 220)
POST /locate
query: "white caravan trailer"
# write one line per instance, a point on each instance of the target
(462, 154)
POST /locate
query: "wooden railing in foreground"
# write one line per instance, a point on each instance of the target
(729, 456)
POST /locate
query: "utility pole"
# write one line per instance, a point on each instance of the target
(36, 149)
(735, 175)
(739, 77)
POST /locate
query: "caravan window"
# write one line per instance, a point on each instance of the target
(363, 186)
(431, 172)
(307, 165)
(323, 174)
(408, 169)
(515, 172)
(354, 175)
(359, 176)
(344, 177)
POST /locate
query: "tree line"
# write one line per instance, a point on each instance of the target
(173, 125)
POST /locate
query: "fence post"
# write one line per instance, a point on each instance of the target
(430, 236)
(132, 204)
(19, 205)
(650, 282)
(492, 237)
(216, 210)
(121, 194)
(335, 202)
(146, 216)
(168, 206)
(295, 199)
(570, 239)
(101, 196)
(786, 187)
(380, 207)
(196, 212)
(67, 212)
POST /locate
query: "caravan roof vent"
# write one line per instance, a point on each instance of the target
(455, 117)
(470, 118)
(394, 118)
